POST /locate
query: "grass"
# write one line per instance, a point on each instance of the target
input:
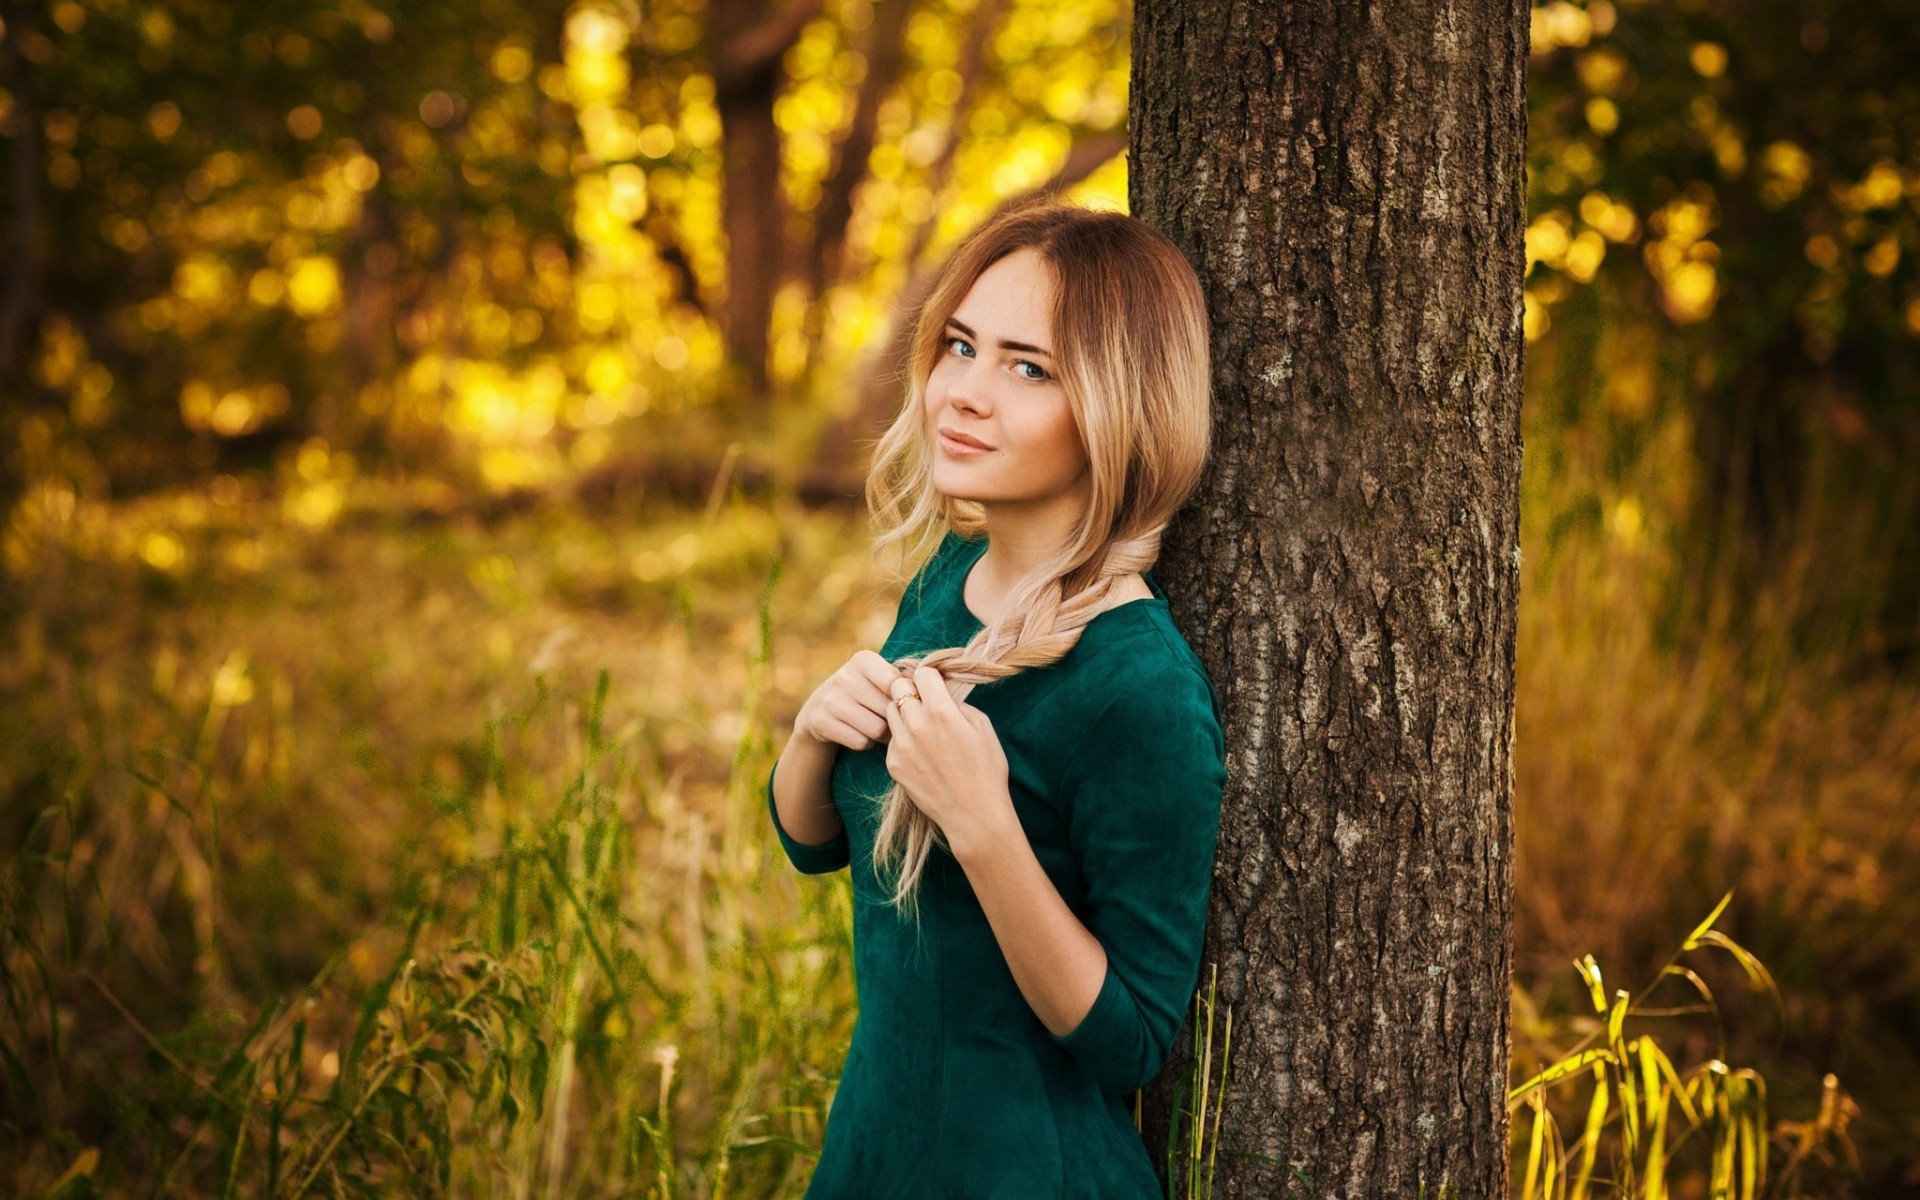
(1649, 1128)
(417, 852)
(1672, 746)
(358, 951)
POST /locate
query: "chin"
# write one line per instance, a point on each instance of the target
(971, 495)
(955, 483)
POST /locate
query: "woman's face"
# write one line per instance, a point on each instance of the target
(994, 383)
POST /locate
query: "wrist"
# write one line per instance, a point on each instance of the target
(989, 837)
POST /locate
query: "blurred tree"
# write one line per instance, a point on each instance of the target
(508, 230)
(1350, 189)
(920, 84)
(747, 47)
(247, 220)
(491, 226)
(1763, 156)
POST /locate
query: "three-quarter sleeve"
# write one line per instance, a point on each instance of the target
(808, 860)
(837, 853)
(1145, 786)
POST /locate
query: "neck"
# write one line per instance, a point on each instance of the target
(1020, 535)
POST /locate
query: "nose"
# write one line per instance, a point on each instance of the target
(967, 389)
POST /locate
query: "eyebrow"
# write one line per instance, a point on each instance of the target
(1004, 343)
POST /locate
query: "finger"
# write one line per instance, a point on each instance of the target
(857, 716)
(875, 669)
(868, 684)
(901, 688)
(897, 723)
(840, 733)
(981, 726)
(933, 691)
(905, 715)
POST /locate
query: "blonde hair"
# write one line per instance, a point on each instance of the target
(1131, 352)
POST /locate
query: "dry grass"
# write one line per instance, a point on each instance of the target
(1672, 746)
(340, 868)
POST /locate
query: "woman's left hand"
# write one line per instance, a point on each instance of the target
(948, 758)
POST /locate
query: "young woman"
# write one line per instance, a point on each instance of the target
(1026, 779)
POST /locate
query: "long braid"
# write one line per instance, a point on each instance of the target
(1037, 633)
(1130, 332)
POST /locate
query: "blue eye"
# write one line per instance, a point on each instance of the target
(1040, 375)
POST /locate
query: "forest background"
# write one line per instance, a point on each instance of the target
(374, 380)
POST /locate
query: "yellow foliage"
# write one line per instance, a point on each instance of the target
(313, 286)
(596, 31)
(1548, 239)
(511, 62)
(1615, 222)
(1601, 70)
(1558, 24)
(1785, 167)
(656, 140)
(232, 686)
(1603, 116)
(1708, 58)
(164, 120)
(1881, 188)
(1584, 255)
(1690, 291)
(62, 351)
(1883, 257)
(304, 122)
(266, 287)
(360, 173)
(162, 551)
(627, 192)
(671, 352)
(203, 280)
(1534, 319)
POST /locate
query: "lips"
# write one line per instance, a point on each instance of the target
(964, 440)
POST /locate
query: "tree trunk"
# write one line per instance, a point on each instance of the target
(1347, 179)
(20, 300)
(886, 55)
(750, 39)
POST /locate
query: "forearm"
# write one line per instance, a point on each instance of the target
(803, 790)
(1056, 961)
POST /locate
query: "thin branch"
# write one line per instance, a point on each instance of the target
(886, 55)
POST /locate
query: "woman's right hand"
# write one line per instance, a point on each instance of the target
(849, 707)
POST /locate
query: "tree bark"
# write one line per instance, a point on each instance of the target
(1348, 181)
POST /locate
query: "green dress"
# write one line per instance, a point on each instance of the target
(952, 1086)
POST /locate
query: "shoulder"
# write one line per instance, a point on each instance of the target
(950, 550)
(1142, 692)
(1138, 649)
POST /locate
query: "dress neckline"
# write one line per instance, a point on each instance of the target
(974, 548)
